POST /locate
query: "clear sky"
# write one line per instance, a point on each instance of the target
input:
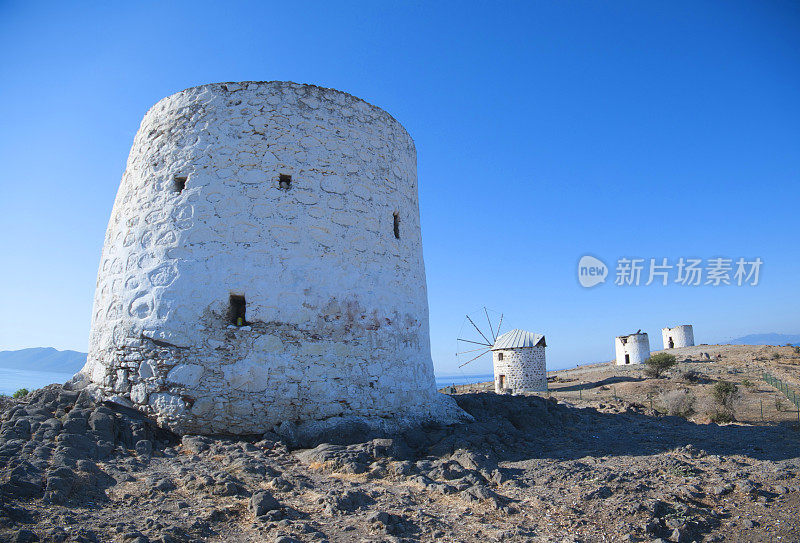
(545, 131)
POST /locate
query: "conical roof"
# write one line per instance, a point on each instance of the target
(518, 339)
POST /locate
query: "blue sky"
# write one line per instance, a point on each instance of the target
(545, 131)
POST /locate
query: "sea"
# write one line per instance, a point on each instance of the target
(462, 379)
(12, 380)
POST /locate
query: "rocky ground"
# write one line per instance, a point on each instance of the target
(576, 466)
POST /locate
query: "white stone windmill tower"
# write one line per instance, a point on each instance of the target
(632, 348)
(678, 336)
(518, 356)
(263, 265)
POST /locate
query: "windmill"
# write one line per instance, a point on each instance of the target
(474, 342)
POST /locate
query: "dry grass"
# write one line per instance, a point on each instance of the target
(742, 365)
(679, 402)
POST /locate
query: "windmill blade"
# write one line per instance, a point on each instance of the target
(477, 357)
(494, 337)
(479, 331)
(499, 325)
(475, 342)
(472, 350)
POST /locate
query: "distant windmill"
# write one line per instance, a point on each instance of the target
(472, 339)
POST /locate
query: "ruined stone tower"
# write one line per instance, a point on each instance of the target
(679, 336)
(632, 349)
(263, 266)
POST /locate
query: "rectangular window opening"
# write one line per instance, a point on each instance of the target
(179, 183)
(236, 310)
(396, 226)
(627, 359)
(284, 181)
(499, 356)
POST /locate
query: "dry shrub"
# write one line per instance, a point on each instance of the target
(720, 416)
(679, 403)
(693, 376)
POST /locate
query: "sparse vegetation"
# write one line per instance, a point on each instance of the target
(797, 349)
(679, 403)
(748, 384)
(21, 393)
(657, 364)
(776, 356)
(721, 415)
(725, 393)
(693, 376)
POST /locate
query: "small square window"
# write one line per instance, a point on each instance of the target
(237, 310)
(285, 181)
(179, 183)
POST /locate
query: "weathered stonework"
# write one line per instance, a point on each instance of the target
(519, 362)
(679, 336)
(632, 349)
(329, 263)
(522, 370)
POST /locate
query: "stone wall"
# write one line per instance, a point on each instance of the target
(524, 369)
(303, 201)
(636, 346)
(682, 336)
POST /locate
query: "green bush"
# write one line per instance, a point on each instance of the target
(797, 349)
(747, 383)
(21, 393)
(725, 393)
(658, 364)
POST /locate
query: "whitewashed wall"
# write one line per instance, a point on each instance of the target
(525, 369)
(682, 336)
(635, 345)
(337, 305)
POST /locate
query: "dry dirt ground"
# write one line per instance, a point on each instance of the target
(593, 462)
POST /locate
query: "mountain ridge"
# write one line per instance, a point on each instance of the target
(43, 359)
(770, 338)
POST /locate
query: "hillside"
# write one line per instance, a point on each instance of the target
(595, 459)
(698, 369)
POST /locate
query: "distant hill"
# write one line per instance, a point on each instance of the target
(43, 359)
(766, 339)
